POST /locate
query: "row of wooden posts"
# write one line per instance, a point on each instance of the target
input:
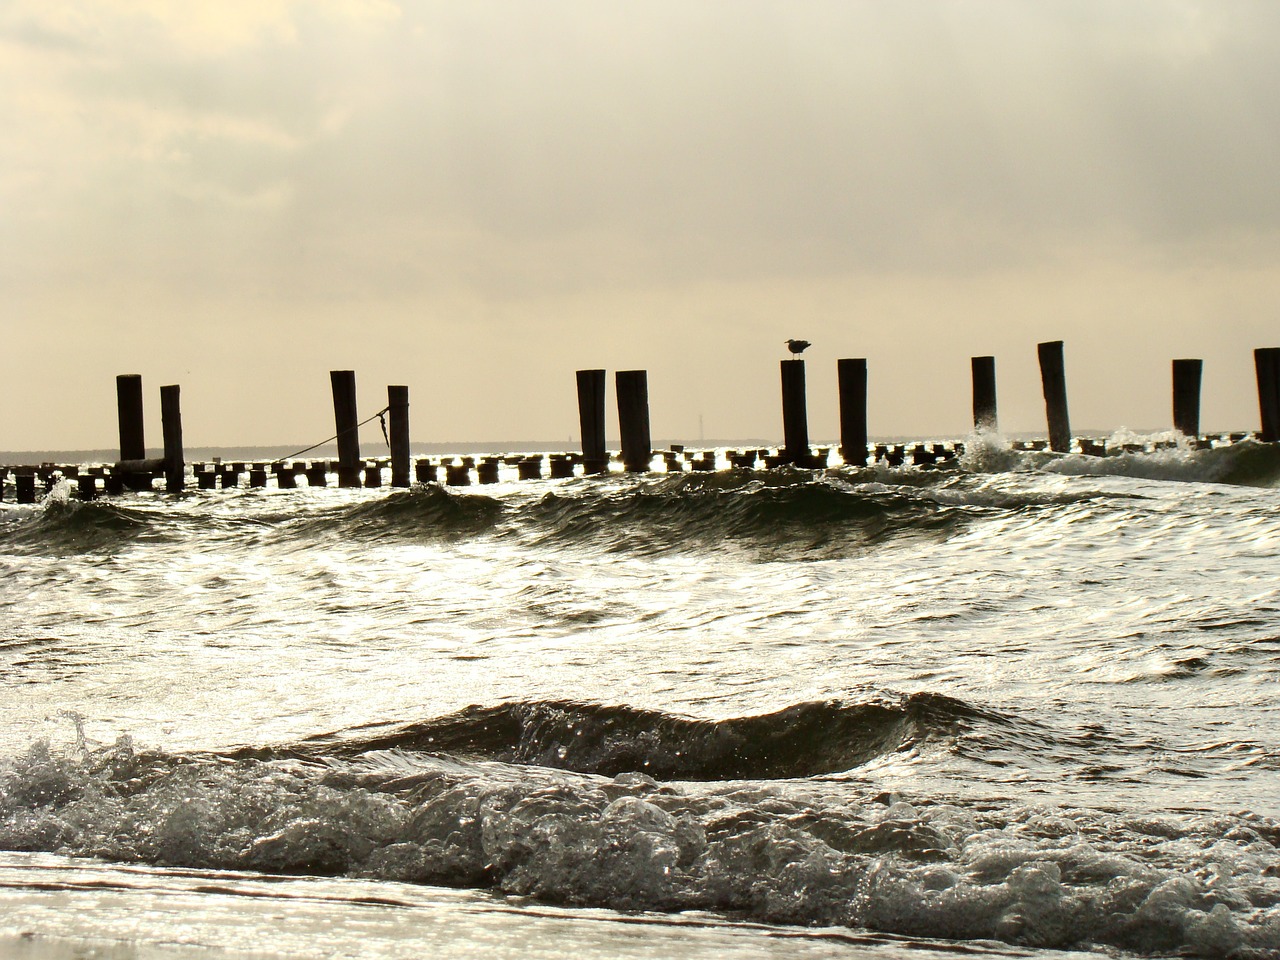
(134, 470)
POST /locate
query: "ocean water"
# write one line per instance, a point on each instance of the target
(1015, 706)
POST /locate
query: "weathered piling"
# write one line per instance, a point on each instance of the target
(286, 479)
(129, 414)
(133, 468)
(1054, 382)
(591, 386)
(984, 394)
(852, 381)
(795, 418)
(1186, 397)
(25, 487)
(398, 410)
(346, 421)
(175, 468)
(1266, 362)
(632, 387)
(317, 474)
(424, 471)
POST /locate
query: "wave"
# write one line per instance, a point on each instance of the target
(803, 740)
(63, 527)
(1243, 463)
(833, 854)
(779, 515)
(419, 513)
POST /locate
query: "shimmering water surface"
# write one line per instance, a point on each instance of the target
(1029, 699)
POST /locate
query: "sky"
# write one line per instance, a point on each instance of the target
(477, 199)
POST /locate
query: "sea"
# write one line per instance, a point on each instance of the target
(1023, 704)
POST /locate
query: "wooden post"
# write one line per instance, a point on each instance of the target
(632, 387)
(175, 468)
(1267, 364)
(25, 487)
(398, 409)
(795, 419)
(1054, 381)
(1186, 397)
(129, 412)
(984, 394)
(345, 420)
(591, 386)
(852, 377)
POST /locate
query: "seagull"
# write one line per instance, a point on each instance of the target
(797, 346)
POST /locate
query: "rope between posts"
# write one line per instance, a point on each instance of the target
(341, 433)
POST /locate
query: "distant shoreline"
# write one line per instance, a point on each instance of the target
(330, 451)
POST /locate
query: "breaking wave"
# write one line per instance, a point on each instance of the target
(1041, 877)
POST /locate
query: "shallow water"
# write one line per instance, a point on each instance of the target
(1029, 699)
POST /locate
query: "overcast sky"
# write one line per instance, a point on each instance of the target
(477, 198)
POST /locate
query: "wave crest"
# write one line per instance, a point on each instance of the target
(804, 740)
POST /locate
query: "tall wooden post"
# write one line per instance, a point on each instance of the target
(1186, 397)
(175, 467)
(1053, 378)
(795, 418)
(129, 412)
(346, 421)
(1267, 364)
(851, 376)
(398, 410)
(984, 394)
(632, 387)
(591, 386)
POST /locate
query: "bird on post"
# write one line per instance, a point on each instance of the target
(797, 346)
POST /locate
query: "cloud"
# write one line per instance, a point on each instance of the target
(524, 168)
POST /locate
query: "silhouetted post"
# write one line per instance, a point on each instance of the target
(346, 421)
(984, 394)
(25, 487)
(286, 479)
(591, 386)
(1186, 397)
(129, 410)
(1266, 361)
(852, 377)
(175, 467)
(1054, 380)
(632, 387)
(795, 418)
(398, 409)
